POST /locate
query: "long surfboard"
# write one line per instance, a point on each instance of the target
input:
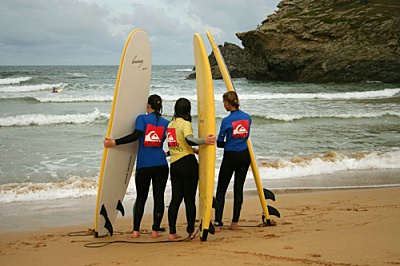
(206, 121)
(262, 192)
(130, 100)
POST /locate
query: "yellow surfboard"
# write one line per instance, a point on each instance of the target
(206, 121)
(130, 100)
(262, 193)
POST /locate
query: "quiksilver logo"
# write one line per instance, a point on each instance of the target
(152, 136)
(240, 130)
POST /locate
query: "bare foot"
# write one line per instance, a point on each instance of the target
(192, 235)
(234, 226)
(155, 234)
(135, 234)
(174, 236)
(217, 228)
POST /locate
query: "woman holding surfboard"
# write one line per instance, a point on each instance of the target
(151, 165)
(184, 166)
(233, 134)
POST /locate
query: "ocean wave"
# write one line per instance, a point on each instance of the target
(183, 70)
(77, 75)
(41, 119)
(9, 81)
(386, 93)
(289, 118)
(328, 163)
(72, 99)
(31, 88)
(74, 187)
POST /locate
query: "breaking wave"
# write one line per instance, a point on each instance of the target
(42, 119)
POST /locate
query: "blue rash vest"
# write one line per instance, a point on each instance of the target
(235, 130)
(151, 151)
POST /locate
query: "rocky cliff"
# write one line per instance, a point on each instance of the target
(320, 41)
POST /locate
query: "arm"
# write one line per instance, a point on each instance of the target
(135, 135)
(192, 141)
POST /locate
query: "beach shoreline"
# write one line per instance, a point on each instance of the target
(332, 227)
(44, 214)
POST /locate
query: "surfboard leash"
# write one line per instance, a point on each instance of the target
(106, 243)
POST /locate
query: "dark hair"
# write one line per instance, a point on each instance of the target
(155, 104)
(232, 98)
(182, 109)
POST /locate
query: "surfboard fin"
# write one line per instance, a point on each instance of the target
(268, 194)
(211, 228)
(204, 232)
(107, 224)
(273, 211)
(120, 207)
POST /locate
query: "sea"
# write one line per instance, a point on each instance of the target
(305, 136)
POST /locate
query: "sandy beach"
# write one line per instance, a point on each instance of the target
(339, 227)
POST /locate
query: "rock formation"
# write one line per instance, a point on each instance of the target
(320, 41)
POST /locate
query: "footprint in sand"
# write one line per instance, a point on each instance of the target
(268, 236)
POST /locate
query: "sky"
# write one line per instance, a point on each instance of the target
(93, 32)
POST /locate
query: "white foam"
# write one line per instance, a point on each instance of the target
(288, 118)
(70, 99)
(386, 93)
(77, 75)
(8, 81)
(76, 187)
(318, 166)
(31, 88)
(183, 70)
(42, 119)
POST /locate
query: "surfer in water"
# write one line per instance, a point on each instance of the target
(151, 165)
(184, 166)
(232, 136)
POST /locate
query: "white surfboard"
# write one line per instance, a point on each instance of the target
(130, 100)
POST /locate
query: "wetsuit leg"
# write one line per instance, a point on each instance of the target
(176, 198)
(159, 181)
(224, 177)
(142, 180)
(242, 167)
(190, 189)
(184, 179)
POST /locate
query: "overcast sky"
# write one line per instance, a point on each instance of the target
(92, 32)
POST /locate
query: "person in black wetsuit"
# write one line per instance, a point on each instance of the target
(151, 166)
(232, 136)
(184, 166)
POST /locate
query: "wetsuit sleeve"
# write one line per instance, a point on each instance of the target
(192, 141)
(134, 136)
(221, 135)
(220, 144)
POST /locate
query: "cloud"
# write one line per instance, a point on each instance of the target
(47, 32)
